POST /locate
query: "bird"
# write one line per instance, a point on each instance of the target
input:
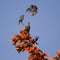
(33, 9)
(27, 27)
(21, 19)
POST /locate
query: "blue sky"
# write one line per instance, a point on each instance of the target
(45, 24)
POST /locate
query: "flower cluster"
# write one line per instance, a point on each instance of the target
(25, 42)
(57, 57)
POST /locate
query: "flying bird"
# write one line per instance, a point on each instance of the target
(33, 9)
(21, 19)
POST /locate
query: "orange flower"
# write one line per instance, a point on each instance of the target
(58, 53)
(20, 45)
(29, 58)
(25, 45)
(31, 41)
(17, 48)
(54, 58)
(16, 36)
(37, 55)
(44, 54)
(40, 58)
(25, 41)
(24, 36)
(28, 50)
(36, 50)
(12, 39)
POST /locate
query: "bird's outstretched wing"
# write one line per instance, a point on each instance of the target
(28, 9)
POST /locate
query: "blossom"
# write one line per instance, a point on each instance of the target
(31, 40)
(36, 50)
(25, 42)
(12, 39)
(54, 58)
(58, 53)
(15, 37)
(24, 35)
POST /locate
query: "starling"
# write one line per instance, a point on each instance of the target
(33, 9)
(27, 27)
(21, 19)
